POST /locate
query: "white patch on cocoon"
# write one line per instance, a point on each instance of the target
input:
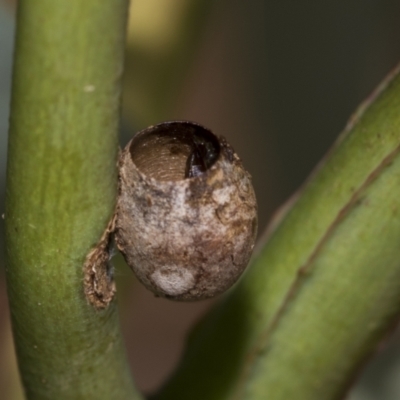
(179, 201)
(173, 280)
(222, 196)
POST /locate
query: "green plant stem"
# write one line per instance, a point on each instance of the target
(324, 290)
(61, 188)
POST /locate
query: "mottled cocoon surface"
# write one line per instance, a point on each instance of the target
(186, 215)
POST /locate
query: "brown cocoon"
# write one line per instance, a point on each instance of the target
(186, 217)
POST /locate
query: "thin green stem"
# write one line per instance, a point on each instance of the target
(324, 289)
(61, 187)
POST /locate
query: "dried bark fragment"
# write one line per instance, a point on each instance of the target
(99, 285)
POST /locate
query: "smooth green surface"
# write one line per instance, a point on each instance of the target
(61, 188)
(325, 288)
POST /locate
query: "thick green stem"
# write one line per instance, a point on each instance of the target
(324, 290)
(61, 188)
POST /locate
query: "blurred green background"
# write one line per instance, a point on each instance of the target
(278, 79)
